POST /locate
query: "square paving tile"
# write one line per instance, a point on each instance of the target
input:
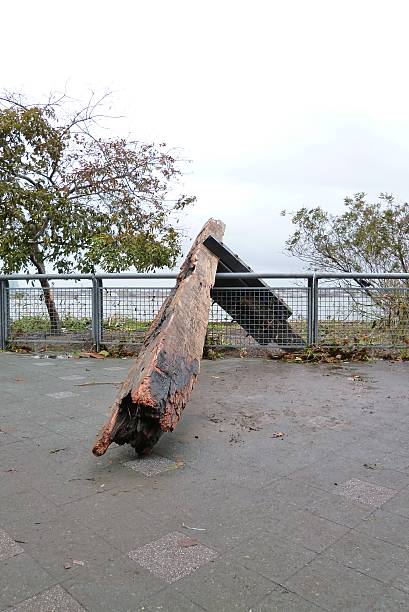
(386, 526)
(281, 599)
(368, 555)
(62, 394)
(21, 577)
(225, 587)
(173, 556)
(151, 466)
(118, 586)
(51, 600)
(169, 601)
(336, 587)
(364, 492)
(393, 600)
(8, 546)
(340, 509)
(399, 504)
(272, 557)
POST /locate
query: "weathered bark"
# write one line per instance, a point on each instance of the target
(159, 384)
(55, 323)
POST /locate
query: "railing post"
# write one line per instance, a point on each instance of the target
(4, 313)
(310, 312)
(97, 312)
(315, 310)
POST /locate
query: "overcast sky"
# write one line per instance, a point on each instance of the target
(277, 104)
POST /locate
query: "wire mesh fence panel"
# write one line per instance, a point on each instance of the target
(127, 313)
(250, 317)
(375, 316)
(57, 314)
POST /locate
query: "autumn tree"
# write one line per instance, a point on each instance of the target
(73, 200)
(367, 237)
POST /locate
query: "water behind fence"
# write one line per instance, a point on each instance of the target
(239, 317)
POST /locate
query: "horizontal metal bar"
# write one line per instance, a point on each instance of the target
(222, 275)
(28, 277)
(159, 275)
(363, 275)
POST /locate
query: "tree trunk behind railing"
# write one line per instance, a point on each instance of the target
(55, 323)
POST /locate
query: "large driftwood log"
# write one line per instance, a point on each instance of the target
(159, 383)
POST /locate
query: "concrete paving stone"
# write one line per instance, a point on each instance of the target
(370, 556)
(335, 587)
(57, 544)
(173, 556)
(339, 510)
(333, 469)
(22, 429)
(62, 395)
(369, 444)
(275, 558)
(225, 526)
(169, 601)
(43, 363)
(392, 479)
(51, 600)
(119, 585)
(103, 507)
(152, 465)
(399, 504)
(297, 494)
(73, 486)
(392, 600)
(281, 599)
(27, 506)
(364, 492)
(386, 526)
(402, 579)
(397, 461)
(305, 529)
(225, 586)
(128, 528)
(21, 577)
(8, 546)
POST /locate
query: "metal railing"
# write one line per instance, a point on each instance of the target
(354, 309)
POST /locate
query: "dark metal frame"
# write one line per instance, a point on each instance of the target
(312, 279)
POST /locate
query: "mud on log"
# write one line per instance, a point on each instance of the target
(159, 383)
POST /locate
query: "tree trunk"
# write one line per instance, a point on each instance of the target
(159, 384)
(55, 324)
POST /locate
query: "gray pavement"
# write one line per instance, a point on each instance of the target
(285, 487)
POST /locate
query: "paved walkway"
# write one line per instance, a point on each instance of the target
(285, 487)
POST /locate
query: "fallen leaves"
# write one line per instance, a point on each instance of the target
(320, 354)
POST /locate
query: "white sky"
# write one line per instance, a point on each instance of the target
(278, 104)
